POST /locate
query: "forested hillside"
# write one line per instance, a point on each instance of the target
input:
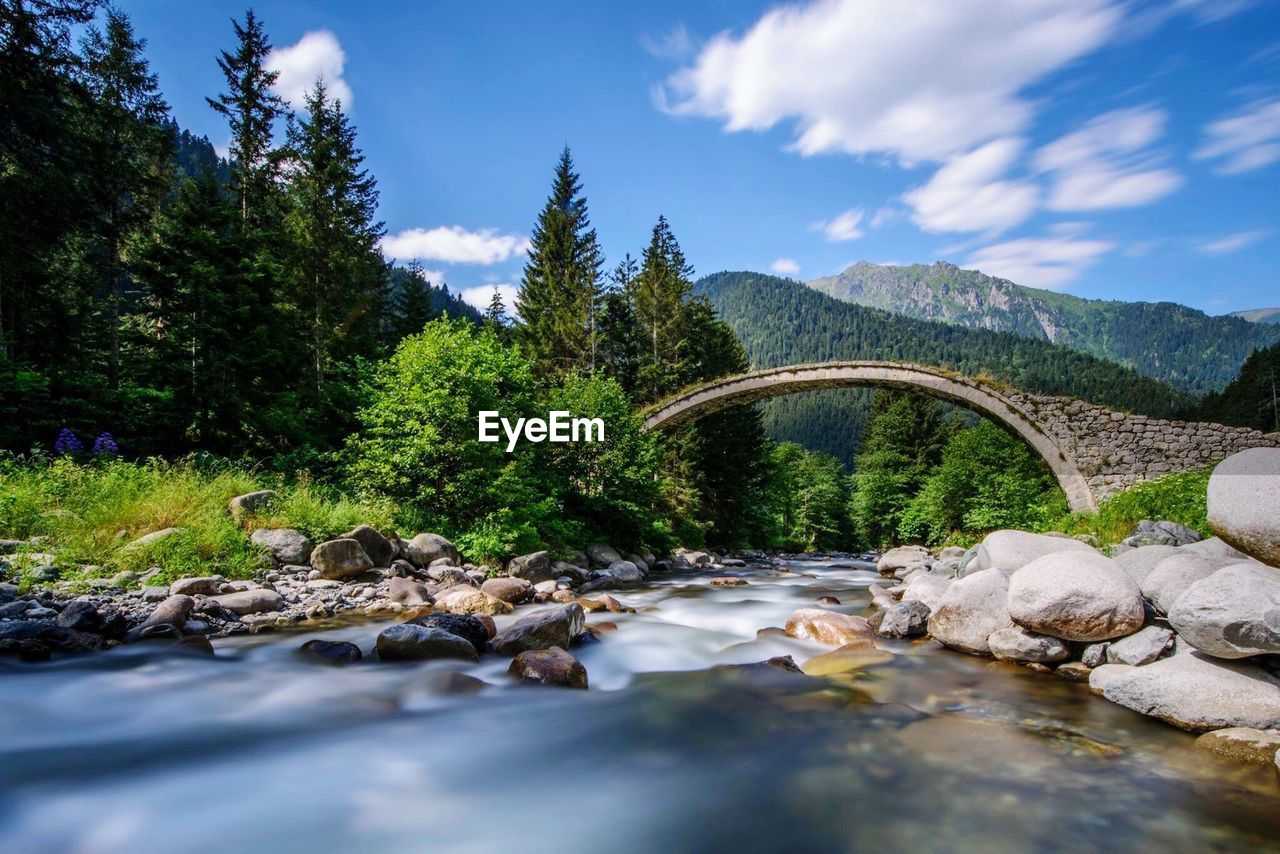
(782, 322)
(1250, 400)
(1181, 346)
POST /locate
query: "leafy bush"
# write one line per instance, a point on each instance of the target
(1179, 497)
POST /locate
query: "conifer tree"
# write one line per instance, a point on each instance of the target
(495, 315)
(661, 290)
(560, 294)
(620, 343)
(412, 305)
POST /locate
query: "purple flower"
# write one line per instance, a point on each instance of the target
(67, 443)
(105, 446)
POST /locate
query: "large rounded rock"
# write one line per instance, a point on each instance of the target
(339, 559)
(463, 599)
(1141, 647)
(1172, 576)
(1234, 613)
(927, 588)
(1012, 550)
(970, 610)
(900, 558)
(469, 626)
(1194, 692)
(172, 612)
(333, 653)
(625, 572)
(245, 602)
(1242, 744)
(829, 627)
(533, 567)
(425, 548)
(601, 555)
(408, 591)
(904, 620)
(542, 630)
(249, 503)
(1217, 549)
(1018, 644)
(411, 642)
(287, 546)
(1077, 596)
(205, 585)
(549, 667)
(511, 590)
(379, 549)
(1244, 503)
(1139, 562)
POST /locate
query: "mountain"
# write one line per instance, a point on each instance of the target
(1181, 346)
(782, 322)
(1259, 315)
(1249, 400)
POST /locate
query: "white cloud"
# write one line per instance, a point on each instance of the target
(677, 45)
(316, 55)
(846, 226)
(968, 193)
(868, 77)
(480, 295)
(1230, 243)
(454, 244)
(1211, 11)
(785, 267)
(1044, 262)
(1107, 163)
(1247, 140)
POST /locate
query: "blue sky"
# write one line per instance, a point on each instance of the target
(1125, 150)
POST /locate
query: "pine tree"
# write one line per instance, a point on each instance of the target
(559, 298)
(495, 317)
(412, 304)
(620, 342)
(250, 108)
(131, 152)
(660, 292)
(338, 275)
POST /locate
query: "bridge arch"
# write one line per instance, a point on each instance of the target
(981, 397)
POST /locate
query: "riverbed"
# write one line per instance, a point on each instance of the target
(908, 748)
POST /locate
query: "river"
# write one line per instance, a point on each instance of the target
(145, 748)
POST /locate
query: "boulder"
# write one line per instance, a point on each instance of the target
(475, 628)
(244, 602)
(339, 559)
(511, 590)
(287, 546)
(425, 548)
(686, 560)
(926, 588)
(1095, 654)
(600, 555)
(204, 586)
(829, 627)
(1076, 596)
(408, 591)
(1139, 562)
(1018, 644)
(1142, 647)
(334, 653)
(412, 642)
(1242, 744)
(1234, 613)
(533, 567)
(464, 599)
(1171, 577)
(1151, 533)
(728, 581)
(904, 620)
(625, 572)
(1012, 550)
(171, 612)
(146, 541)
(379, 549)
(553, 627)
(80, 615)
(1194, 692)
(1244, 503)
(249, 503)
(563, 569)
(550, 667)
(970, 610)
(1216, 548)
(448, 576)
(900, 558)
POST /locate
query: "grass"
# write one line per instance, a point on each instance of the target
(1175, 498)
(89, 513)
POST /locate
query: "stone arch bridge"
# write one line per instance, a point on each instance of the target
(1093, 451)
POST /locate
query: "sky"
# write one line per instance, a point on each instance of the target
(1108, 149)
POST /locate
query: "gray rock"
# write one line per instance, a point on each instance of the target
(549, 667)
(513, 590)
(146, 541)
(1244, 503)
(80, 615)
(904, 620)
(1139, 562)
(1194, 692)
(1172, 576)
(171, 612)
(412, 642)
(542, 630)
(333, 653)
(625, 572)
(1234, 613)
(970, 610)
(468, 626)
(1151, 533)
(1095, 654)
(285, 545)
(204, 586)
(250, 602)
(1012, 550)
(448, 576)
(249, 503)
(379, 549)
(13, 610)
(533, 567)
(1243, 744)
(600, 555)
(1142, 647)
(901, 558)
(1077, 596)
(928, 588)
(408, 591)
(425, 548)
(340, 559)
(1216, 548)
(1017, 644)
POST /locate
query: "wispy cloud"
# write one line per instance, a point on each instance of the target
(1041, 262)
(846, 226)
(785, 267)
(453, 244)
(675, 45)
(317, 55)
(1230, 243)
(1246, 140)
(970, 194)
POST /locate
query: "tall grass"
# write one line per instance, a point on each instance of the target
(88, 514)
(1177, 498)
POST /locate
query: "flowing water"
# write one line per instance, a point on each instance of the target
(149, 749)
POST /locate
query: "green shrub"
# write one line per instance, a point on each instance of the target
(1177, 498)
